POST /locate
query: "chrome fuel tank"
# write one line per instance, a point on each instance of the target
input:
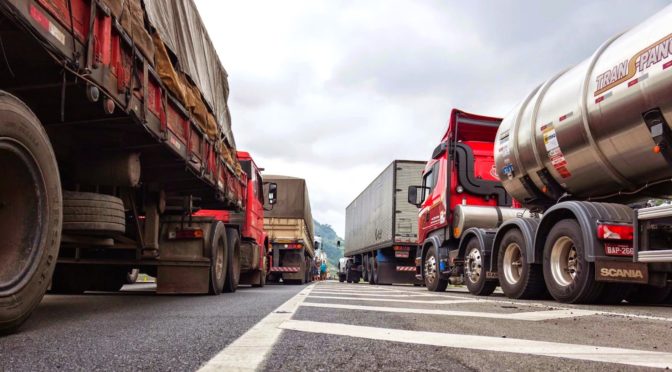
(583, 131)
(468, 216)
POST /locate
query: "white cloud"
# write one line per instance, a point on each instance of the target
(333, 91)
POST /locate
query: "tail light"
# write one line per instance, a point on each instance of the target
(185, 234)
(294, 246)
(401, 248)
(614, 232)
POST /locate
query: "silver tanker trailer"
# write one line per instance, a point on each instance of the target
(583, 152)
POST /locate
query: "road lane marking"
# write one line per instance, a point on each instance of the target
(248, 352)
(376, 294)
(437, 302)
(533, 316)
(631, 357)
(558, 306)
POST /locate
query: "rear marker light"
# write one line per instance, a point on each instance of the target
(186, 234)
(615, 232)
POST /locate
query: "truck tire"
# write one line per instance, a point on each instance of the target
(262, 276)
(219, 258)
(232, 274)
(517, 278)
(568, 276)
(365, 268)
(648, 294)
(87, 212)
(474, 270)
(372, 270)
(433, 280)
(341, 278)
(31, 215)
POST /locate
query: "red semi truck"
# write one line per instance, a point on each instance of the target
(549, 199)
(250, 247)
(114, 132)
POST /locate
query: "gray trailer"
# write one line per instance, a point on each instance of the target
(381, 228)
(289, 225)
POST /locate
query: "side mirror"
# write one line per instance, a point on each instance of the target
(272, 193)
(317, 245)
(338, 243)
(416, 195)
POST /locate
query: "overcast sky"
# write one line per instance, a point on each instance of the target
(333, 91)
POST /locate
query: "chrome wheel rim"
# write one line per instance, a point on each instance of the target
(564, 261)
(474, 265)
(430, 269)
(513, 263)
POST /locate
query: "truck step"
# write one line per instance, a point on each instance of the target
(655, 256)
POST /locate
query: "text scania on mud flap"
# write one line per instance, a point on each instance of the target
(114, 131)
(550, 199)
(381, 229)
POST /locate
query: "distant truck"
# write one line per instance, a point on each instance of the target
(343, 264)
(247, 240)
(382, 229)
(289, 225)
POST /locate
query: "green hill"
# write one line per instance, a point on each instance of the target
(329, 239)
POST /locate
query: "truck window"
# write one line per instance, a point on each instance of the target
(428, 181)
(259, 187)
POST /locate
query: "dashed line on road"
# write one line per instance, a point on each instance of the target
(533, 316)
(631, 357)
(248, 351)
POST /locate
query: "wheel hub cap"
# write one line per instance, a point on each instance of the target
(474, 265)
(564, 261)
(513, 263)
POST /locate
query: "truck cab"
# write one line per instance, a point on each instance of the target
(460, 172)
(245, 229)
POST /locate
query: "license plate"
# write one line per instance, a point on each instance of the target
(615, 249)
(401, 254)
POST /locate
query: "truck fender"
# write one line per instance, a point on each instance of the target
(431, 241)
(485, 238)
(528, 227)
(587, 214)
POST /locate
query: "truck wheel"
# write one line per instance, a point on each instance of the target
(219, 258)
(232, 273)
(373, 275)
(648, 294)
(341, 278)
(365, 268)
(30, 212)
(433, 280)
(517, 278)
(568, 276)
(474, 270)
(90, 212)
(262, 276)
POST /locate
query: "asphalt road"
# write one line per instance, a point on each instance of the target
(135, 329)
(333, 326)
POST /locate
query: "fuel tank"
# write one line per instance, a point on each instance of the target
(467, 216)
(598, 130)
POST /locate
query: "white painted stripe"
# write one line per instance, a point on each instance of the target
(528, 316)
(247, 353)
(593, 353)
(555, 305)
(373, 294)
(437, 302)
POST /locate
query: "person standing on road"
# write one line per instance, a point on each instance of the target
(323, 271)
